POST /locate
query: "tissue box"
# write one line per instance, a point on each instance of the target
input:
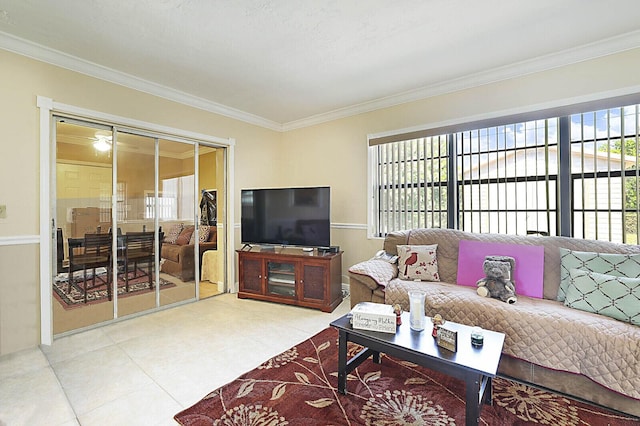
(373, 317)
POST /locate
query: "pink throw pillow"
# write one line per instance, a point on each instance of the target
(529, 270)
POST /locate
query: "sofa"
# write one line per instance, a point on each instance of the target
(581, 354)
(177, 252)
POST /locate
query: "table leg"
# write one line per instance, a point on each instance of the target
(473, 400)
(342, 363)
(488, 392)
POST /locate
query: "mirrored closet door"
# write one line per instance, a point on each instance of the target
(137, 220)
(82, 286)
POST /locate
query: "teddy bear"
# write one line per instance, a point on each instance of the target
(497, 281)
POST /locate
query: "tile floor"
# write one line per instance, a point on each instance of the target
(144, 370)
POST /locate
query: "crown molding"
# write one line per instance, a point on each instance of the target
(583, 53)
(594, 50)
(64, 60)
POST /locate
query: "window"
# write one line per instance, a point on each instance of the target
(605, 174)
(175, 201)
(508, 178)
(412, 184)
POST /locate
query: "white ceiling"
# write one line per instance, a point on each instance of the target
(287, 63)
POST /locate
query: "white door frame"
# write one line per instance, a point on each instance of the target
(48, 107)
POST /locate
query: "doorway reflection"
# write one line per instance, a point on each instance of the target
(211, 205)
(176, 207)
(135, 223)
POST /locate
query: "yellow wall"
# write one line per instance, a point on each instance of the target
(334, 153)
(207, 170)
(21, 81)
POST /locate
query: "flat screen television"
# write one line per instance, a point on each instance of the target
(286, 216)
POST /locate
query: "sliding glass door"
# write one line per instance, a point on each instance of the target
(157, 203)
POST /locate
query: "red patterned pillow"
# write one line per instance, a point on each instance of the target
(418, 263)
(173, 233)
(185, 235)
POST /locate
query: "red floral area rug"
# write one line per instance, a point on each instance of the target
(299, 387)
(75, 297)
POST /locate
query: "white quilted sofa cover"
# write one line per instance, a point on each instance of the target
(541, 331)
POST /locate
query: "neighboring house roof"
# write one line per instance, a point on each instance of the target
(602, 159)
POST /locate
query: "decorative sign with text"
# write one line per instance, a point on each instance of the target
(447, 339)
(374, 317)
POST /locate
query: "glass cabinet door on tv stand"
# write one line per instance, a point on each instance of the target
(281, 278)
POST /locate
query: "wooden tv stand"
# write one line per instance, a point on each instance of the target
(291, 276)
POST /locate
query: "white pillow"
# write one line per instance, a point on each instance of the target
(418, 263)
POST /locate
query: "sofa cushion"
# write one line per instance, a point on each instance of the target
(615, 297)
(185, 235)
(619, 265)
(203, 234)
(448, 241)
(418, 262)
(173, 233)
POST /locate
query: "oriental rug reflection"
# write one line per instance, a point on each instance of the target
(74, 297)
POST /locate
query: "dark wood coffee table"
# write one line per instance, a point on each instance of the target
(476, 366)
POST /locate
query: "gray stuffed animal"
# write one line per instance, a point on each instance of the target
(497, 282)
